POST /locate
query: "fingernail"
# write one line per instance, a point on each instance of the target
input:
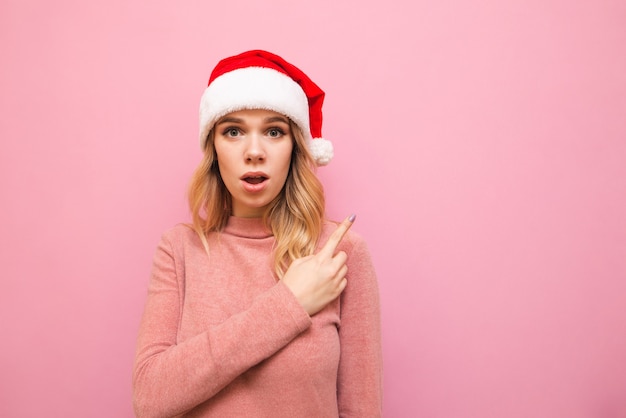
(352, 217)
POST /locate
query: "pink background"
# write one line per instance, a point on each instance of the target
(482, 145)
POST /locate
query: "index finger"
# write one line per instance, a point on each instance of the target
(335, 238)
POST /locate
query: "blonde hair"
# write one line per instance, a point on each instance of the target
(295, 216)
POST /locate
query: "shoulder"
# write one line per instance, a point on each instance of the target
(360, 264)
(180, 231)
(351, 241)
(179, 237)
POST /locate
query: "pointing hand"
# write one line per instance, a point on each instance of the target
(317, 280)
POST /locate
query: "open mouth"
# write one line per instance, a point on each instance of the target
(255, 179)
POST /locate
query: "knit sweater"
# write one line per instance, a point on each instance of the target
(222, 337)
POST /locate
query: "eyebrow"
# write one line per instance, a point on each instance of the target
(276, 119)
(229, 120)
(271, 119)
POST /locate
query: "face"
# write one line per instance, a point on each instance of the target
(254, 154)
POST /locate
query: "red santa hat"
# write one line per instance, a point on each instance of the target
(261, 80)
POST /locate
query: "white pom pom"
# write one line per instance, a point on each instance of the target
(322, 150)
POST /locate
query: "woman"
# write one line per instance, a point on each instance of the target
(261, 308)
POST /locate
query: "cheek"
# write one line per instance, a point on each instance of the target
(288, 154)
(286, 162)
(225, 171)
(222, 159)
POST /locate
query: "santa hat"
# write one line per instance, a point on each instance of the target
(261, 80)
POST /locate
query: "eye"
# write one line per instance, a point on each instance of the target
(275, 133)
(231, 132)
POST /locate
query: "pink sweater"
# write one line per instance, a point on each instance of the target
(221, 337)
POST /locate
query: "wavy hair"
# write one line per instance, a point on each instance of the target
(295, 216)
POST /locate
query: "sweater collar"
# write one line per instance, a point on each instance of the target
(247, 227)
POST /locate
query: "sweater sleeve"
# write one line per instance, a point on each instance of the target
(359, 385)
(170, 378)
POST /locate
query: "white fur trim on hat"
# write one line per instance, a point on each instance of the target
(322, 150)
(253, 88)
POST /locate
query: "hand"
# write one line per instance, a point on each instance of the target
(317, 280)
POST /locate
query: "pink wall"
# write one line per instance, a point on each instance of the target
(482, 145)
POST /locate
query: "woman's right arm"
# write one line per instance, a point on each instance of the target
(170, 378)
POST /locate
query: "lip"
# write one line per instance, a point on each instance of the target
(254, 188)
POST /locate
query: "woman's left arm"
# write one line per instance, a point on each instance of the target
(359, 382)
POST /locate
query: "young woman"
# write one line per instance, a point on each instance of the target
(260, 308)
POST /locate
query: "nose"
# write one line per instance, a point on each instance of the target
(254, 150)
